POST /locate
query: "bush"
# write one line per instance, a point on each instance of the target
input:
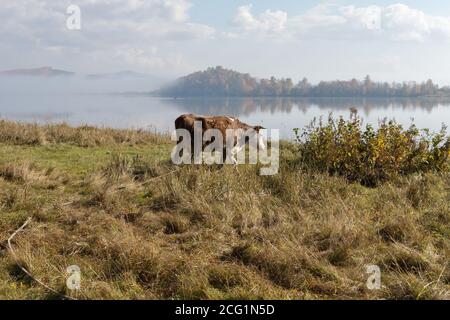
(368, 155)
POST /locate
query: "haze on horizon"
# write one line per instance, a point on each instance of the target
(320, 40)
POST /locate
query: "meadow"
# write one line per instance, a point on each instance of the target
(111, 202)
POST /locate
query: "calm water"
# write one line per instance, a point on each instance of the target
(123, 111)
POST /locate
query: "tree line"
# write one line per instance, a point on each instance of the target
(219, 81)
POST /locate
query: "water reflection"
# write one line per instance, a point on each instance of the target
(248, 106)
(140, 111)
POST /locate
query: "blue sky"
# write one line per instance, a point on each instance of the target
(321, 40)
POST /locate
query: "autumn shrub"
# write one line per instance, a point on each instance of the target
(368, 155)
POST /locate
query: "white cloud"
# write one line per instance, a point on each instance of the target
(160, 36)
(319, 17)
(149, 58)
(396, 22)
(172, 10)
(268, 21)
(39, 26)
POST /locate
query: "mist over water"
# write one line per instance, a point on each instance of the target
(141, 111)
(78, 84)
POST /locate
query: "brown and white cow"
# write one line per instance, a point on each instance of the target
(224, 124)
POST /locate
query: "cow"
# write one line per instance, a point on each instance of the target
(224, 124)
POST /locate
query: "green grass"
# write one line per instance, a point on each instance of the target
(77, 160)
(210, 233)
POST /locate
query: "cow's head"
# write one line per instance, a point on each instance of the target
(257, 128)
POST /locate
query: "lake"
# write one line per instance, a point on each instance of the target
(140, 111)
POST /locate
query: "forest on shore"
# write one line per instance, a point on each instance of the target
(219, 81)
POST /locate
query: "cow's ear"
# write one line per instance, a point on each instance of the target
(257, 128)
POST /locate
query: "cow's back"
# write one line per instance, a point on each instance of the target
(221, 123)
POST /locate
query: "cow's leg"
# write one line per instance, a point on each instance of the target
(229, 157)
(261, 144)
(236, 149)
(180, 138)
(192, 151)
(233, 158)
(224, 156)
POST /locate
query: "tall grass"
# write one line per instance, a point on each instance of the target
(85, 136)
(209, 233)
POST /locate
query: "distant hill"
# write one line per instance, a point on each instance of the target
(37, 72)
(219, 81)
(213, 81)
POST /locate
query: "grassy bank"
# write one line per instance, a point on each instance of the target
(111, 202)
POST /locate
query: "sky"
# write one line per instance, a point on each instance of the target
(321, 40)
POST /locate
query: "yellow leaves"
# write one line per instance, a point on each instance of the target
(372, 156)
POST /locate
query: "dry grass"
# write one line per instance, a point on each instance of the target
(86, 136)
(209, 233)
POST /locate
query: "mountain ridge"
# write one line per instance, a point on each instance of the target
(37, 72)
(47, 71)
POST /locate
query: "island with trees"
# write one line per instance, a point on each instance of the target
(219, 81)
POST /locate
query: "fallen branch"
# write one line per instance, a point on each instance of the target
(13, 253)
